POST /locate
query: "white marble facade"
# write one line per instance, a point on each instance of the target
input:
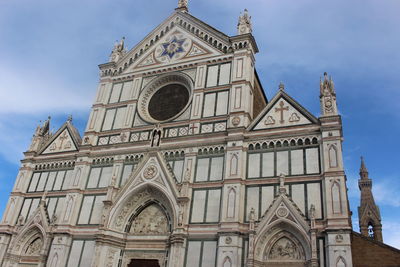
(222, 177)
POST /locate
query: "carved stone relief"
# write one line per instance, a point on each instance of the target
(34, 248)
(284, 249)
(151, 220)
(128, 206)
(235, 121)
(150, 172)
(111, 257)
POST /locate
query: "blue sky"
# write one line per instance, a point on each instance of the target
(50, 50)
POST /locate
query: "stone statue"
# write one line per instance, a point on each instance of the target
(54, 219)
(252, 215)
(183, 4)
(21, 220)
(180, 216)
(312, 211)
(282, 188)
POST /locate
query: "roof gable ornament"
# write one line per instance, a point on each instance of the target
(328, 96)
(118, 51)
(183, 5)
(244, 24)
(282, 111)
(41, 135)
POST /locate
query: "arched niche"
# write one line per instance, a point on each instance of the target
(282, 243)
(227, 262)
(234, 164)
(333, 156)
(336, 198)
(132, 203)
(231, 203)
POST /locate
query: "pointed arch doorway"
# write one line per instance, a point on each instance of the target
(143, 263)
(148, 229)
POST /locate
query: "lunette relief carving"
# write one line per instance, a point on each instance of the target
(151, 220)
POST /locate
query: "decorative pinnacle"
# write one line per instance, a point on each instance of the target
(281, 86)
(69, 118)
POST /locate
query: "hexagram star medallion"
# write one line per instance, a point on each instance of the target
(173, 47)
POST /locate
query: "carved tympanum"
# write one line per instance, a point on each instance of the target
(34, 248)
(284, 249)
(151, 220)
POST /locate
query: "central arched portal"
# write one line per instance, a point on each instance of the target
(149, 223)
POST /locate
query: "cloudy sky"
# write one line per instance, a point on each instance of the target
(50, 49)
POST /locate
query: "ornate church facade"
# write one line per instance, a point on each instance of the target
(184, 162)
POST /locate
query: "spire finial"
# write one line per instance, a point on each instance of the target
(281, 86)
(183, 5)
(69, 118)
(363, 169)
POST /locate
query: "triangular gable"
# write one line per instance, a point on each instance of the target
(368, 212)
(66, 139)
(283, 209)
(143, 173)
(38, 224)
(177, 45)
(282, 111)
(39, 216)
(186, 24)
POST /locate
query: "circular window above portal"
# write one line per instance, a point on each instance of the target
(168, 101)
(165, 98)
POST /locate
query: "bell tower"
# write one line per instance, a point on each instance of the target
(368, 212)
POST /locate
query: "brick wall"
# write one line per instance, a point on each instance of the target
(370, 253)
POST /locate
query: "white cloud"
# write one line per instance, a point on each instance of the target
(391, 233)
(37, 91)
(386, 191)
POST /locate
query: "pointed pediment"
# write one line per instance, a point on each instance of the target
(368, 212)
(178, 45)
(201, 40)
(284, 209)
(282, 111)
(66, 139)
(153, 169)
(151, 180)
(39, 217)
(32, 234)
